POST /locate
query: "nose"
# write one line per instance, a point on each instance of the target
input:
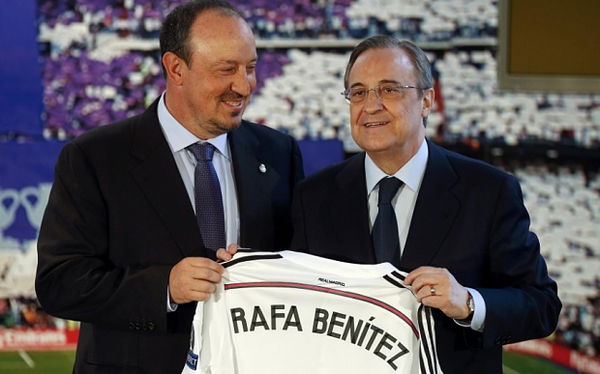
(372, 102)
(244, 82)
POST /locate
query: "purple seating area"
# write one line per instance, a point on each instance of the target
(81, 93)
(142, 18)
(297, 19)
(87, 83)
(102, 13)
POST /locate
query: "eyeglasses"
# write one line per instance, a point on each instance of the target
(387, 91)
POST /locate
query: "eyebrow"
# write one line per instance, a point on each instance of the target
(233, 62)
(383, 81)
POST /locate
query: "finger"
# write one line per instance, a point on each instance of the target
(202, 286)
(198, 295)
(204, 274)
(223, 255)
(418, 272)
(434, 301)
(186, 290)
(232, 248)
(203, 262)
(427, 280)
(426, 291)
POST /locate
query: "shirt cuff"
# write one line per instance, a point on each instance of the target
(478, 320)
(171, 307)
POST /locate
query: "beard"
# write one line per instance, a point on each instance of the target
(232, 120)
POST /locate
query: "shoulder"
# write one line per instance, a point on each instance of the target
(116, 133)
(466, 167)
(347, 170)
(104, 134)
(113, 143)
(263, 132)
(264, 141)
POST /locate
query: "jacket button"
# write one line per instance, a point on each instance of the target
(131, 326)
(151, 326)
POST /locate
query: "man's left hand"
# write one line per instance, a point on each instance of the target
(437, 288)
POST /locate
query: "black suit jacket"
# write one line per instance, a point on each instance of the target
(469, 218)
(119, 218)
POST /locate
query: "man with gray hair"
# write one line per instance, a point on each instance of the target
(457, 226)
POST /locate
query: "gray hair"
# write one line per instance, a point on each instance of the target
(416, 55)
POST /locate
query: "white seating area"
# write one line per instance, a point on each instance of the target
(17, 271)
(436, 19)
(305, 101)
(565, 214)
(475, 108)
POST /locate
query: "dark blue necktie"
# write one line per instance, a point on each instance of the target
(209, 202)
(385, 228)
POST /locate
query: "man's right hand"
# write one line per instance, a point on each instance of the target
(193, 279)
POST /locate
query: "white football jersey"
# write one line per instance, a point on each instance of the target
(290, 312)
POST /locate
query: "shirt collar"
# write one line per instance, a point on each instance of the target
(179, 137)
(411, 174)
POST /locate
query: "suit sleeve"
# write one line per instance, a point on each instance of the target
(522, 303)
(76, 278)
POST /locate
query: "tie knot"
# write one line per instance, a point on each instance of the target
(388, 188)
(202, 151)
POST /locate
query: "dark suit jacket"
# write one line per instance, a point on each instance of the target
(119, 218)
(469, 218)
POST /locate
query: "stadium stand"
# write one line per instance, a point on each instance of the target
(101, 64)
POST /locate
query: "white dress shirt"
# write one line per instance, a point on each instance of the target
(411, 174)
(178, 138)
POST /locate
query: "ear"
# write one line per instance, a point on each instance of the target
(428, 101)
(174, 67)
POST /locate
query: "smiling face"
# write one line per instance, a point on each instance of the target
(209, 95)
(389, 130)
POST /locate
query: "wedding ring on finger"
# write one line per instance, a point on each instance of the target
(432, 290)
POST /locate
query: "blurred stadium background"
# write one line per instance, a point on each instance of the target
(72, 65)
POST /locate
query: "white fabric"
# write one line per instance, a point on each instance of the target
(293, 313)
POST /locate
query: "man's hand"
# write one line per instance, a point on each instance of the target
(193, 279)
(226, 254)
(437, 288)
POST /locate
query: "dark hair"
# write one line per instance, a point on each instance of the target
(175, 30)
(417, 56)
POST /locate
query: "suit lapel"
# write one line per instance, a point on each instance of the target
(253, 186)
(350, 213)
(158, 177)
(436, 209)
